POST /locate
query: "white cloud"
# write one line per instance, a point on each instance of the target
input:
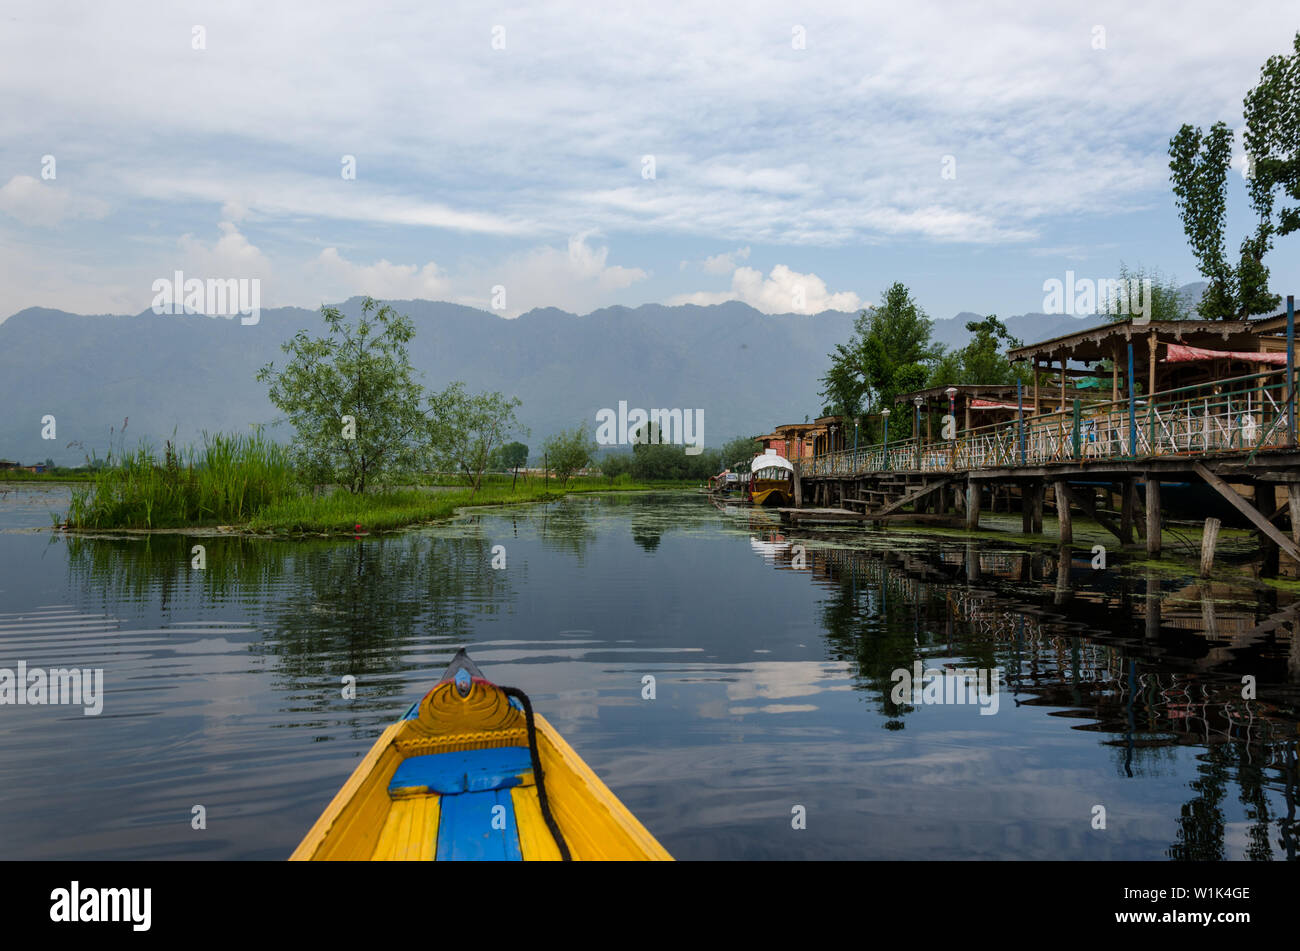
(298, 196)
(576, 278)
(340, 279)
(544, 137)
(725, 262)
(756, 144)
(782, 292)
(231, 255)
(46, 204)
(34, 275)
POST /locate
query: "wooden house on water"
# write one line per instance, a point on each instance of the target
(1166, 355)
(794, 441)
(1215, 371)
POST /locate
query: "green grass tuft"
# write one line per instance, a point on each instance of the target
(224, 483)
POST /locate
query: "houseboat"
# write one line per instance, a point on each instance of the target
(772, 479)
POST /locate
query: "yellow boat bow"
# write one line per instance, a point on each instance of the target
(471, 773)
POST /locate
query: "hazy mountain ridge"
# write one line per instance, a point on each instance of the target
(747, 370)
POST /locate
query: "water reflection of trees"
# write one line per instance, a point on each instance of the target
(1148, 666)
(372, 608)
(567, 524)
(564, 527)
(157, 569)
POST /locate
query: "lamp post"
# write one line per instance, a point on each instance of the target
(952, 415)
(916, 429)
(885, 413)
(1020, 418)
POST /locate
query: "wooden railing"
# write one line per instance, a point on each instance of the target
(1242, 414)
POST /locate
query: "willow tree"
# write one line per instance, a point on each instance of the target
(470, 430)
(568, 451)
(352, 399)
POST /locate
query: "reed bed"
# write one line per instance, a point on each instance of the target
(249, 482)
(224, 482)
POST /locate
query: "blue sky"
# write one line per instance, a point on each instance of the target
(796, 149)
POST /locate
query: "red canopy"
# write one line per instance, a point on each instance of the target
(991, 404)
(1178, 353)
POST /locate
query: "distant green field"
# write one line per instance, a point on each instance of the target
(52, 475)
(340, 512)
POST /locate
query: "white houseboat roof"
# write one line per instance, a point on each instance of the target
(770, 460)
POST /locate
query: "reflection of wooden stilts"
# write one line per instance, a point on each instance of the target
(1153, 606)
(1209, 620)
(1063, 556)
(1293, 658)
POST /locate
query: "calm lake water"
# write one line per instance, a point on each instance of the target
(773, 655)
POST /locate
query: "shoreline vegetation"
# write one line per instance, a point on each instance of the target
(370, 447)
(248, 484)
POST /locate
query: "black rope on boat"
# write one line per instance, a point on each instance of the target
(538, 776)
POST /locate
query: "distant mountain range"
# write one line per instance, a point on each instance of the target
(748, 371)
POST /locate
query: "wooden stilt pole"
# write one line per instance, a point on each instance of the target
(1139, 510)
(972, 505)
(1153, 515)
(1259, 520)
(1063, 518)
(1126, 510)
(1153, 606)
(1209, 541)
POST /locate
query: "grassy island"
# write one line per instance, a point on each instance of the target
(249, 483)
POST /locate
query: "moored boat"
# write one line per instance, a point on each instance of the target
(471, 773)
(772, 479)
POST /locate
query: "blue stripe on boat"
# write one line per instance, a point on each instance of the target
(465, 828)
(468, 771)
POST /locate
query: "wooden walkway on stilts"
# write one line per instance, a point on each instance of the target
(1238, 436)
